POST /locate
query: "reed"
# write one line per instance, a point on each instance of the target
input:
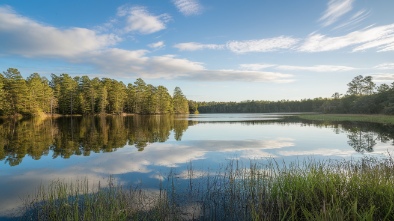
(257, 190)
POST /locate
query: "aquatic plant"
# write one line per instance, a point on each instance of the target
(256, 190)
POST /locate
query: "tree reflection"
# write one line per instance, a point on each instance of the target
(361, 141)
(363, 136)
(68, 136)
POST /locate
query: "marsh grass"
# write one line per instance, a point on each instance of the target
(372, 118)
(262, 190)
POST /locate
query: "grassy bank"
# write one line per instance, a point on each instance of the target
(385, 119)
(308, 190)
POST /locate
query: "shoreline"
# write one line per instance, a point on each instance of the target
(370, 118)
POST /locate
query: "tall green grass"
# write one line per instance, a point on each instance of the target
(373, 118)
(263, 190)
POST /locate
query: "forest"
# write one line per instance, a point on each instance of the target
(68, 95)
(362, 97)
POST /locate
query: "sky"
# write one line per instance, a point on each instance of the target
(214, 50)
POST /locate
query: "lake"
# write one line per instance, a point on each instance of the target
(145, 149)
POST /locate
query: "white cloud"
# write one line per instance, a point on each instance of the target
(385, 66)
(27, 184)
(188, 7)
(193, 174)
(125, 63)
(193, 46)
(354, 20)
(383, 77)
(255, 67)
(319, 151)
(169, 66)
(381, 37)
(257, 154)
(335, 10)
(140, 20)
(116, 61)
(158, 44)
(262, 45)
(239, 75)
(26, 37)
(316, 68)
(385, 43)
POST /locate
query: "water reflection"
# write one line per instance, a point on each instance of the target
(143, 148)
(362, 141)
(362, 136)
(65, 137)
(69, 136)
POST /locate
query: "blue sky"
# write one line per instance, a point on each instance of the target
(214, 50)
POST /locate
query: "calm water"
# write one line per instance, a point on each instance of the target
(144, 149)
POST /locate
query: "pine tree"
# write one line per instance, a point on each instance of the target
(40, 94)
(180, 102)
(16, 92)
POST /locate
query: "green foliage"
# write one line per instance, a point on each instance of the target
(181, 105)
(383, 119)
(360, 99)
(40, 94)
(82, 95)
(306, 105)
(16, 92)
(361, 86)
(363, 99)
(3, 103)
(193, 107)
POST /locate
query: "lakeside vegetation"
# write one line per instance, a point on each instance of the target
(362, 97)
(68, 95)
(265, 190)
(383, 119)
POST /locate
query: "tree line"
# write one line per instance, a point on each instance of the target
(68, 95)
(252, 106)
(362, 97)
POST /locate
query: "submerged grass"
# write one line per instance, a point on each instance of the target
(265, 190)
(373, 118)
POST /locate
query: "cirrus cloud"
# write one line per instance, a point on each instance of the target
(335, 10)
(262, 45)
(239, 75)
(194, 46)
(188, 7)
(380, 37)
(255, 67)
(316, 68)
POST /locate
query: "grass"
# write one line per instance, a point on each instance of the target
(265, 190)
(373, 118)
